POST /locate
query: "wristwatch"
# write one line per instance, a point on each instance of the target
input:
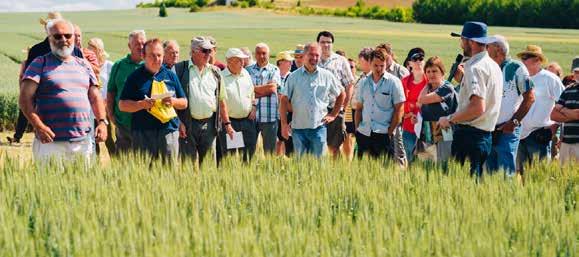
(516, 122)
(106, 122)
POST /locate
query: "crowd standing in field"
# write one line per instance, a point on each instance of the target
(503, 113)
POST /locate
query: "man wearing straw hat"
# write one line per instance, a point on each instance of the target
(37, 50)
(479, 100)
(537, 128)
(567, 112)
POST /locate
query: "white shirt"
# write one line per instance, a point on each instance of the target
(516, 82)
(548, 89)
(104, 77)
(482, 77)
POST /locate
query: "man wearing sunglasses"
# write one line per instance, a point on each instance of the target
(200, 81)
(64, 89)
(37, 50)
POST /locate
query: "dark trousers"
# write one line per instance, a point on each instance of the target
(472, 144)
(162, 143)
(21, 124)
(199, 140)
(249, 130)
(376, 145)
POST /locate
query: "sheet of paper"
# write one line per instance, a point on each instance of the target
(447, 134)
(418, 125)
(236, 142)
(161, 96)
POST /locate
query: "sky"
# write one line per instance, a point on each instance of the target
(64, 5)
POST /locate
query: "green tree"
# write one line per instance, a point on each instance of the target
(163, 10)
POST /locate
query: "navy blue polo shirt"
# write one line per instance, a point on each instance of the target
(138, 84)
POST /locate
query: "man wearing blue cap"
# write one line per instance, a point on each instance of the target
(479, 100)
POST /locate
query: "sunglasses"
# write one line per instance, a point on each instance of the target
(206, 51)
(525, 57)
(417, 59)
(61, 36)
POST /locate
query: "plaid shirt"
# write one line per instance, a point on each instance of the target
(267, 106)
(340, 67)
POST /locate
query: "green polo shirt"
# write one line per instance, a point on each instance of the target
(119, 73)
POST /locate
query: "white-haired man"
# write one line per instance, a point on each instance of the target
(58, 91)
(171, 57)
(518, 97)
(266, 79)
(119, 73)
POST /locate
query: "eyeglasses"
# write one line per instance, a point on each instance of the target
(61, 36)
(205, 51)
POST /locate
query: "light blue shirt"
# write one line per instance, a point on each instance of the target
(310, 94)
(378, 104)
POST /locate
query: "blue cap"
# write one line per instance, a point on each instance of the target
(475, 31)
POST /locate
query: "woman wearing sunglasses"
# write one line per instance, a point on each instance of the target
(413, 85)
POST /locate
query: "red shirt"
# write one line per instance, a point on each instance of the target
(411, 91)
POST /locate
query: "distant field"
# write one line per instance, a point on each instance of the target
(233, 28)
(345, 3)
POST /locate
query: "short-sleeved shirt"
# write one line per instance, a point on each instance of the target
(482, 77)
(119, 73)
(434, 111)
(340, 67)
(310, 94)
(411, 91)
(398, 70)
(202, 86)
(61, 98)
(267, 106)
(516, 83)
(548, 89)
(238, 93)
(378, 100)
(138, 85)
(570, 100)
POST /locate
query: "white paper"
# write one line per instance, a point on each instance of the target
(236, 142)
(447, 134)
(161, 96)
(418, 125)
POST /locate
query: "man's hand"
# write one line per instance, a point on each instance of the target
(168, 101)
(328, 119)
(285, 128)
(101, 132)
(252, 113)
(182, 130)
(508, 127)
(229, 130)
(146, 104)
(444, 122)
(45, 133)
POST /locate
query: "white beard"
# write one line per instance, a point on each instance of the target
(63, 52)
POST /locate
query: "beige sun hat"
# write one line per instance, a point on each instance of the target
(533, 50)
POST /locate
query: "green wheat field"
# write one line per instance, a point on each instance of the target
(276, 206)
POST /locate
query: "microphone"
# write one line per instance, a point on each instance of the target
(455, 67)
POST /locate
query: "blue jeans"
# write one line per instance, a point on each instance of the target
(504, 152)
(310, 141)
(409, 140)
(472, 144)
(528, 148)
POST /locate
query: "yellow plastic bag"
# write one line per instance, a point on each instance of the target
(161, 111)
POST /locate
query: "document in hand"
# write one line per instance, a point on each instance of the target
(236, 142)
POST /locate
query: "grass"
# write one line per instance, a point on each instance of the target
(344, 3)
(285, 207)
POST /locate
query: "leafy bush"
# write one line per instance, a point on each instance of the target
(8, 111)
(162, 10)
(522, 13)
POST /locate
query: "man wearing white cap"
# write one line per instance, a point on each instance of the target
(567, 111)
(200, 81)
(239, 100)
(479, 100)
(518, 97)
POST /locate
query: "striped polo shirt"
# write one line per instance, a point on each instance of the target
(62, 96)
(570, 100)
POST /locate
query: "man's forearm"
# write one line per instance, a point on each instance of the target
(349, 92)
(180, 103)
(110, 104)
(97, 103)
(283, 110)
(358, 116)
(338, 104)
(129, 106)
(528, 100)
(223, 111)
(396, 117)
(265, 90)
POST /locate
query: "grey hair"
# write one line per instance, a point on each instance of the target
(502, 44)
(311, 45)
(262, 45)
(166, 43)
(51, 23)
(137, 32)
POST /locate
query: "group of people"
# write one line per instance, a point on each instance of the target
(503, 113)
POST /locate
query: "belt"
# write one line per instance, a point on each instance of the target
(204, 120)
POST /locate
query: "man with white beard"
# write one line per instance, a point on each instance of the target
(64, 89)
